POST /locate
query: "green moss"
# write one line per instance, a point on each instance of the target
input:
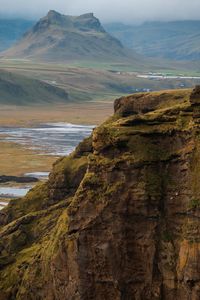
(6, 260)
(54, 241)
(10, 276)
(44, 236)
(69, 171)
(191, 231)
(91, 180)
(35, 200)
(37, 235)
(113, 188)
(184, 122)
(18, 240)
(167, 236)
(194, 204)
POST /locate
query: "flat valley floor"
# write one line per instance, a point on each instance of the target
(18, 160)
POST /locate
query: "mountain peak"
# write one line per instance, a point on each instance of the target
(54, 17)
(58, 36)
(87, 22)
(53, 13)
(87, 15)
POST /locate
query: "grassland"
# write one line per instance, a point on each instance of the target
(16, 160)
(89, 113)
(22, 90)
(159, 65)
(90, 81)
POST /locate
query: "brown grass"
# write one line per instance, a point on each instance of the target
(88, 113)
(16, 160)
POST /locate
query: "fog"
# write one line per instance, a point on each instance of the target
(126, 11)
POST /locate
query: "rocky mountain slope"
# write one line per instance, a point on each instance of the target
(178, 40)
(118, 218)
(57, 37)
(17, 89)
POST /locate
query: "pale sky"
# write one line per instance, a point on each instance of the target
(126, 11)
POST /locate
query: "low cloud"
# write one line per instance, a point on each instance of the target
(127, 11)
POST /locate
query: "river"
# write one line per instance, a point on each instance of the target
(56, 139)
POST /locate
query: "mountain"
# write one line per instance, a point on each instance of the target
(178, 40)
(16, 89)
(12, 30)
(119, 217)
(57, 37)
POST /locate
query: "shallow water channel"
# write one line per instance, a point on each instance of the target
(56, 139)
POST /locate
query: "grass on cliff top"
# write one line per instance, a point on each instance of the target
(172, 97)
(168, 99)
(165, 116)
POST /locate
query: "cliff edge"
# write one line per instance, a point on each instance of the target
(119, 218)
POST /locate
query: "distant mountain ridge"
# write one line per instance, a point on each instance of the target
(178, 40)
(12, 30)
(59, 37)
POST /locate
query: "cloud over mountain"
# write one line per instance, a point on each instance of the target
(127, 11)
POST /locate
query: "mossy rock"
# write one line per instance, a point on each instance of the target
(130, 189)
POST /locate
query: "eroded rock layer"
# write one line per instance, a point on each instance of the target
(119, 218)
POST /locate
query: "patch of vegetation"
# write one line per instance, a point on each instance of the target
(167, 236)
(194, 204)
(17, 89)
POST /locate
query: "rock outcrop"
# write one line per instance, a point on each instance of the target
(120, 217)
(17, 179)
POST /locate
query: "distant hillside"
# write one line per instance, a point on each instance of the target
(19, 90)
(58, 37)
(178, 40)
(12, 30)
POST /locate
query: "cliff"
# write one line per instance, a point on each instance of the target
(118, 218)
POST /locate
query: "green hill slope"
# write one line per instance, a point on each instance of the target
(16, 89)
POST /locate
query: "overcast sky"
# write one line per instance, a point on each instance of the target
(126, 11)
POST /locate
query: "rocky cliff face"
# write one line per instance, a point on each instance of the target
(119, 218)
